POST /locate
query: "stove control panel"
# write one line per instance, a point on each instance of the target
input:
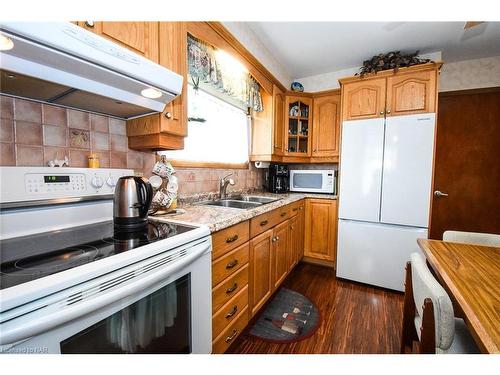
(33, 183)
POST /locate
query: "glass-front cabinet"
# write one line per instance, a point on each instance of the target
(298, 126)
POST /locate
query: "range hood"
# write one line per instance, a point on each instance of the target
(63, 64)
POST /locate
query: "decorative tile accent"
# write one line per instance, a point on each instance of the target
(99, 123)
(79, 138)
(118, 142)
(118, 159)
(78, 119)
(28, 133)
(53, 115)
(51, 153)
(99, 141)
(6, 107)
(7, 154)
(26, 110)
(6, 130)
(29, 155)
(117, 126)
(55, 135)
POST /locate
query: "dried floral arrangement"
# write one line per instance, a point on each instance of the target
(391, 60)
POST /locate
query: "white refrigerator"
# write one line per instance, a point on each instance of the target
(384, 196)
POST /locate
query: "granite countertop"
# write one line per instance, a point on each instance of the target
(217, 218)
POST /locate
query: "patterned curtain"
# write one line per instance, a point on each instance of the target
(206, 66)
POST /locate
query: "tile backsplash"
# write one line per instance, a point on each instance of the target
(32, 133)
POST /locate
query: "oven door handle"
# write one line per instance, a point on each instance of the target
(13, 331)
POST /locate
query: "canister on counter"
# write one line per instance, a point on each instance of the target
(93, 161)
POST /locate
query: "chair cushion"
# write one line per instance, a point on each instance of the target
(473, 238)
(426, 286)
(463, 343)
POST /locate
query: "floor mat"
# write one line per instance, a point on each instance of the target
(289, 317)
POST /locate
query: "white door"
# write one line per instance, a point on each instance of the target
(375, 254)
(407, 172)
(361, 169)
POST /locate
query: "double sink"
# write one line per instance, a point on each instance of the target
(241, 201)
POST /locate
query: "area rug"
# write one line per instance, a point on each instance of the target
(289, 317)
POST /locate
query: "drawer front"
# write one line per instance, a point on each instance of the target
(296, 207)
(284, 213)
(229, 288)
(261, 223)
(230, 238)
(228, 264)
(229, 335)
(229, 312)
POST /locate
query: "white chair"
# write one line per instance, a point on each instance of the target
(472, 238)
(428, 315)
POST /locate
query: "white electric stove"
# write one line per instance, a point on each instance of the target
(71, 284)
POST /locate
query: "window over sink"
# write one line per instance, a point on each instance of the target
(218, 132)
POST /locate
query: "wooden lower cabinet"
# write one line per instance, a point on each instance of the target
(251, 259)
(260, 270)
(281, 253)
(320, 229)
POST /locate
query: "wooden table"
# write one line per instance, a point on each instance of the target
(471, 274)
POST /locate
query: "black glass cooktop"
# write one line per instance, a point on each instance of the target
(31, 257)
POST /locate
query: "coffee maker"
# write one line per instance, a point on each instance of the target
(278, 178)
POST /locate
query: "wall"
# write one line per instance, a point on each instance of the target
(470, 74)
(31, 134)
(247, 37)
(328, 81)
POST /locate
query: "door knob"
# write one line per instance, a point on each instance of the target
(440, 194)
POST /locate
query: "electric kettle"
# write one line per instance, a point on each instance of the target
(133, 196)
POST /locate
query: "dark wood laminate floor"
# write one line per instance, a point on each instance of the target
(355, 318)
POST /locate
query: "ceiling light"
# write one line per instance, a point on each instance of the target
(151, 93)
(5, 43)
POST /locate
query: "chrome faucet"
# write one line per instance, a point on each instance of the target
(224, 181)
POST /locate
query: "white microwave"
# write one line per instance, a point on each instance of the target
(314, 181)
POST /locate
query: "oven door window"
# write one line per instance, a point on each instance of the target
(157, 323)
(308, 180)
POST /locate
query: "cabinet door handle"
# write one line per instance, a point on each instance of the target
(168, 115)
(232, 289)
(232, 264)
(388, 111)
(230, 338)
(90, 24)
(262, 223)
(232, 239)
(381, 112)
(274, 239)
(301, 208)
(283, 214)
(291, 227)
(233, 311)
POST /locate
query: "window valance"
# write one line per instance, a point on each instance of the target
(210, 66)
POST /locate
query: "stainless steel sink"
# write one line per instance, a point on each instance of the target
(242, 202)
(250, 198)
(231, 203)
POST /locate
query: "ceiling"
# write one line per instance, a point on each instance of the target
(310, 48)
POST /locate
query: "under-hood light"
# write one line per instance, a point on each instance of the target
(151, 93)
(5, 43)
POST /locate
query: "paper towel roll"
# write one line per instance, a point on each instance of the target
(262, 164)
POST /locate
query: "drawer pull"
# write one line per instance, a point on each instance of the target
(262, 223)
(283, 214)
(233, 311)
(232, 239)
(295, 209)
(301, 208)
(232, 264)
(232, 289)
(230, 338)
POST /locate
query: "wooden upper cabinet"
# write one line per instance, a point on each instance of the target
(140, 37)
(173, 55)
(326, 126)
(298, 118)
(278, 121)
(410, 93)
(320, 229)
(364, 99)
